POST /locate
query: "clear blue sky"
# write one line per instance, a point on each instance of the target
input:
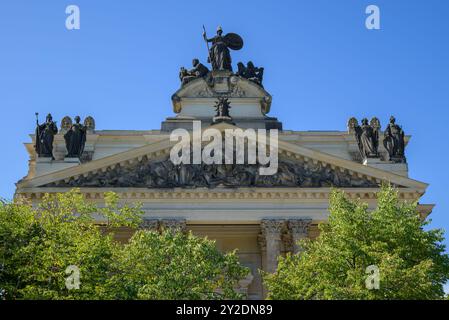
(321, 66)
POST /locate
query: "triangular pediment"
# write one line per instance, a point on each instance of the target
(149, 166)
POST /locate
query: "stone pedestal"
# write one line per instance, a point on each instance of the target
(44, 160)
(185, 122)
(299, 229)
(250, 103)
(222, 80)
(397, 168)
(72, 160)
(372, 161)
(45, 165)
(220, 119)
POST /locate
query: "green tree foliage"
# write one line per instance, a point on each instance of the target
(37, 244)
(175, 266)
(411, 261)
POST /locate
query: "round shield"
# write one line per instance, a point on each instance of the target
(233, 41)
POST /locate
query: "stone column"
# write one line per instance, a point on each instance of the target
(299, 229)
(150, 224)
(271, 231)
(174, 225)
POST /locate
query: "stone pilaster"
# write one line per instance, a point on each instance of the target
(174, 225)
(263, 250)
(263, 258)
(272, 232)
(299, 229)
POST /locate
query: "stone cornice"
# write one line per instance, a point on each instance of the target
(221, 194)
(353, 168)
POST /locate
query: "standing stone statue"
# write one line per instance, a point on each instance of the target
(394, 141)
(45, 134)
(367, 136)
(75, 139)
(219, 55)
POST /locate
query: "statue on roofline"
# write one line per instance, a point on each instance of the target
(394, 141)
(250, 72)
(219, 57)
(75, 139)
(219, 54)
(367, 136)
(199, 70)
(45, 134)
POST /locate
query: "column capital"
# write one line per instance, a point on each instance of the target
(149, 224)
(174, 224)
(300, 226)
(272, 226)
(299, 229)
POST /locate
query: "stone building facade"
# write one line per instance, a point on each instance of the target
(262, 220)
